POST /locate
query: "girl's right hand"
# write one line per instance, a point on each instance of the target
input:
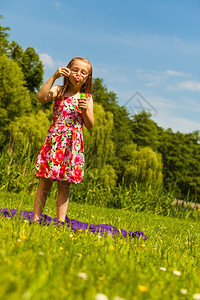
(62, 71)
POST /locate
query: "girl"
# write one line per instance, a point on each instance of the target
(61, 158)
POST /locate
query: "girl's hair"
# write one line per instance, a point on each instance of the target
(86, 87)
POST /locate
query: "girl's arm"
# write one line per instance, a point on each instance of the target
(48, 91)
(88, 116)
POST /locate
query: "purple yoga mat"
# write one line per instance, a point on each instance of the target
(74, 225)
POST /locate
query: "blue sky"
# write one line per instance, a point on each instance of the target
(147, 52)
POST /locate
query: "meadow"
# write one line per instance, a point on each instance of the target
(52, 262)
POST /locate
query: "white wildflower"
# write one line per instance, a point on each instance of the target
(26, 295)
(183, 291)
(178, 273)
(82, 275)
(196, 296)
(101, 297)
(163, 269)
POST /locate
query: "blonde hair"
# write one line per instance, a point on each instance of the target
(86, 87)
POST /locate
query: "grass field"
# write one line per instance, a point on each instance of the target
(51, 262)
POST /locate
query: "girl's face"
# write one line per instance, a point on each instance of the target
(80, 70)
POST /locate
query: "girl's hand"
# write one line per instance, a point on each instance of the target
(62, 71)
(82, 104)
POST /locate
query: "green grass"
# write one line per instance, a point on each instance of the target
(49, 262)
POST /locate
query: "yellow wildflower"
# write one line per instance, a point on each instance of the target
(112, 247)
(143, 288)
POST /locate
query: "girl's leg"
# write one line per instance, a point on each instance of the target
(41, 196)
(62, 200)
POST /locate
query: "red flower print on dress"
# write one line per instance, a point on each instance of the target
(79, 111)
(59, 102)
(44, 169)
(55, 171)
(82, 145)
(47, 146)
(42, 157)
(73, 117)
(67, 154)
(78, 159)
(68, 141)
(77, 172)
(62, 171)
(58, 156)
(69, 100)
(58, 138)
(66, 116)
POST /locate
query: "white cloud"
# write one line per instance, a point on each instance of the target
(191, 85)
(177, 123)
(154, 77)
(47, 60)
(50, 65)
(112, 74)
(177, 73)
(168, 115)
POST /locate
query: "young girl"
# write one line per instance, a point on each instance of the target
(61, 158)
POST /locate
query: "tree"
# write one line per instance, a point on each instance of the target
(121, 127)
(180, 154)
(142, 166)
(14, 96)
(99, 147)
(30, 64)
(30, 130)
(101, 95)
(145, 131)
(32, 68)
(4, 43)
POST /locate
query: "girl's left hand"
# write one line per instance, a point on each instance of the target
(82, 104)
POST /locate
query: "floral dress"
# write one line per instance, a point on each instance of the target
(62, 155)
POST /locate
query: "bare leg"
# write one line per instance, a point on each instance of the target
(62, 200)
(41, 196)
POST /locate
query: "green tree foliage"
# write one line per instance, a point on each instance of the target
(145, 130)
(141, 166)
(30, 131)
(4, 44)
(180, 153)
(14, 96)
(102, 96)
(121, 128)
(99, 146)
(32, 68)
(30, 64)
